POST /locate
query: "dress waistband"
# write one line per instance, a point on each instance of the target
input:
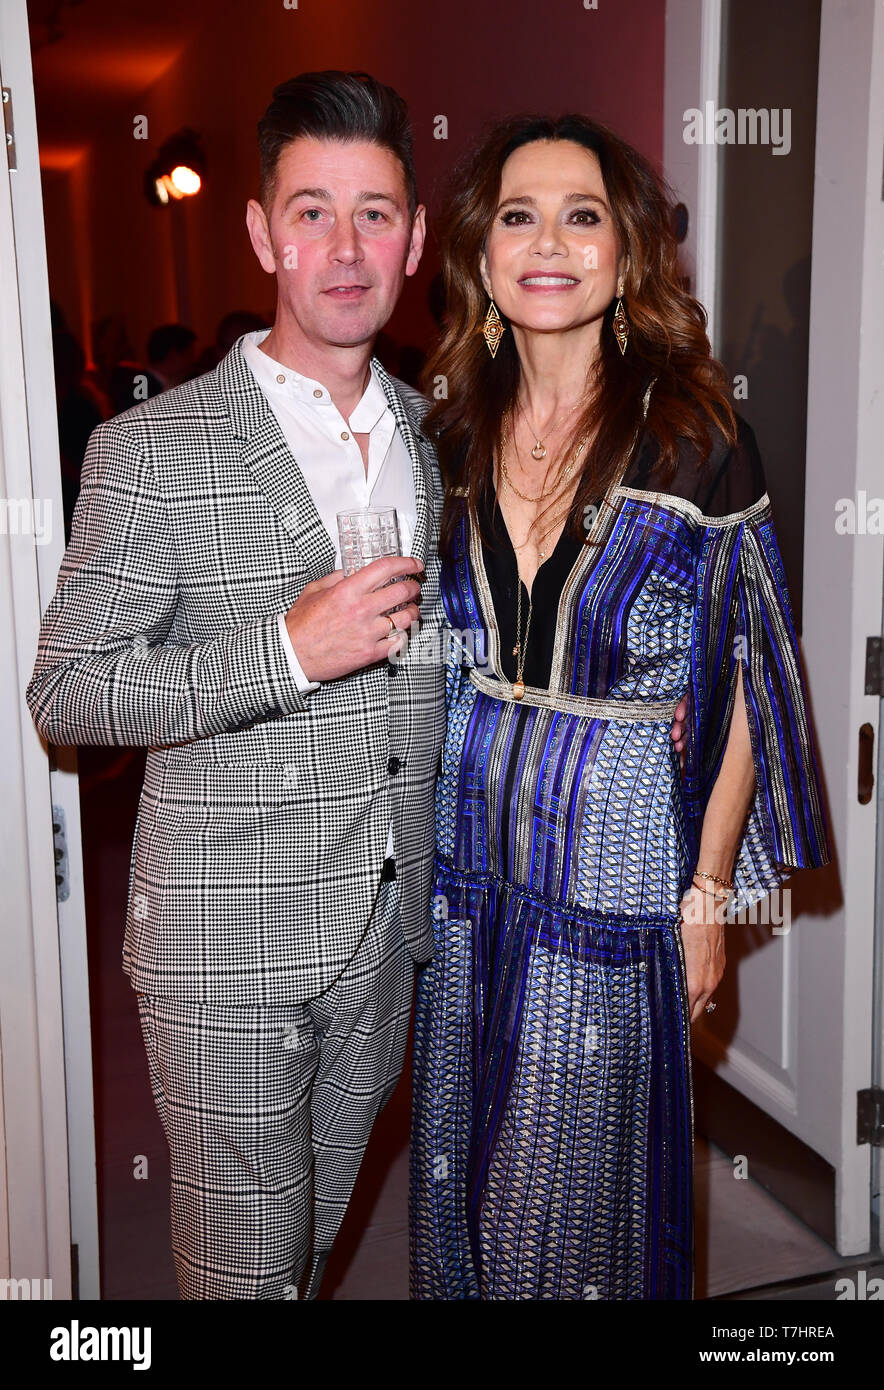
(635, 711)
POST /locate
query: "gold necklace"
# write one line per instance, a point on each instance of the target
(543, 535)
(518, 651)
(560, 478)
(539, 450)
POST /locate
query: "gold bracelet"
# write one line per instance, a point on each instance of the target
(725, 881)
(710, 892)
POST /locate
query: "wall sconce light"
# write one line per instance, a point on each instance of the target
(178, 170)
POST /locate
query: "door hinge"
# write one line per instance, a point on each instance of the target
(60, 839)
(875, 666)
(10, 128)
(870, 1116)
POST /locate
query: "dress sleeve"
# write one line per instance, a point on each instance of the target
(743, 613)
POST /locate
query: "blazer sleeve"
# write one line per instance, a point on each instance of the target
(743, 614)
(106, 671)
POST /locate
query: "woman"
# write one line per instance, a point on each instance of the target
(608, 535)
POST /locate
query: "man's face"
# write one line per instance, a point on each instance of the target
(338, 238)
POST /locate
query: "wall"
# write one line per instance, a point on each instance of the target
(466, 61)
(766, 226)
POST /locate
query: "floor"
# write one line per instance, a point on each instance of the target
(746, 1240)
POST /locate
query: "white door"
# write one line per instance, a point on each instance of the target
(46, 1114)
(796, 1035)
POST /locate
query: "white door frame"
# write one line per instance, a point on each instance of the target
(691, 77)
(843, 574)
(825, 1011)
(48, 1201)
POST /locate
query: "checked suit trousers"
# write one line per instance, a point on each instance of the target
(267, 1112)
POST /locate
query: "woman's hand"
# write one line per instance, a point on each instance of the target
(703, 941)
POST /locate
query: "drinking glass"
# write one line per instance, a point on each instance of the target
(365, 535)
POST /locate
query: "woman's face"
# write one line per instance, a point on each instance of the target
(552, 258)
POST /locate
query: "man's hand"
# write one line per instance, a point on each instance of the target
(337, 625)
(677, 731)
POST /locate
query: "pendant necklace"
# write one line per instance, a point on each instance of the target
(559, 481)
(518, 650)
(539, 450)
(561, 477)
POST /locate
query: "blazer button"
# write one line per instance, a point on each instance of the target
(393, 766)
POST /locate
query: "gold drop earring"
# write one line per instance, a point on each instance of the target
(493, 328)
(621, 322)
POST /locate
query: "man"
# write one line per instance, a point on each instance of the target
(199, 611)
(281, 870)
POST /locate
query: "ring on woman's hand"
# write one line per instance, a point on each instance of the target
(392, 626)
(710, 1007)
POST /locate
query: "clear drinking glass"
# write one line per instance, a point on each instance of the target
(366, 535)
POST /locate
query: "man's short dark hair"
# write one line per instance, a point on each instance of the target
(335, 105)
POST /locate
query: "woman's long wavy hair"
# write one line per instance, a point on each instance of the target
(667, 330)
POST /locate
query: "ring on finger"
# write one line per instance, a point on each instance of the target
(392, 625)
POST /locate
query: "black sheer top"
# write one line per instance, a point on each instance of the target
(729, 479)
(502, 570)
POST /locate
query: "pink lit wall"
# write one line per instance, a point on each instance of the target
(465, 60)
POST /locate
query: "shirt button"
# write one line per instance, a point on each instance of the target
(393, 766)
(317, 392)
(280, 379)
(344, 434)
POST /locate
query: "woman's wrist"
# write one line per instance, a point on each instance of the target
(702, 909)
(721, 893)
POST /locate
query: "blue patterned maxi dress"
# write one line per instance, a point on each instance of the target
(552, 1138)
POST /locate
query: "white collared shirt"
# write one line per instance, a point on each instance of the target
(322, 443)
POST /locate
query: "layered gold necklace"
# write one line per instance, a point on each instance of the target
(520, 650)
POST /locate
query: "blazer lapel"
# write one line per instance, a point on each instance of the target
(420, 450)
(274, 468)
(279, 477)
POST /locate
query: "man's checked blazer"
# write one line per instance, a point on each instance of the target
(262, 825)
